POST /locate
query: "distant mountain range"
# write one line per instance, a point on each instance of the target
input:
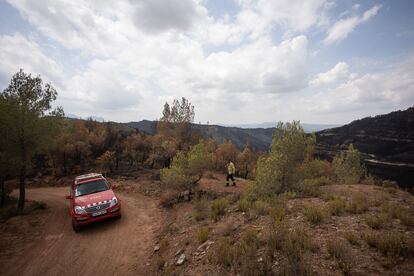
(258, 137)
(307, 127)
(94, 118)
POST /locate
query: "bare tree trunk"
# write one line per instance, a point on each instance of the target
(65, 171)
(3, 192)
(22, 194)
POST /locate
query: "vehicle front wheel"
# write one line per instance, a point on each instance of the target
(75, 227)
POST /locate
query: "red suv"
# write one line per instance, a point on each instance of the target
(92, 199)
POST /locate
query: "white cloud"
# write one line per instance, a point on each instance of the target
(17, 52)
(343, 27)
(388, 90)
(259, 67)
(134, 55)
(340, 71)
(158, 15)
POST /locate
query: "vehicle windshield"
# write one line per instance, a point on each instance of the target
(91, 187)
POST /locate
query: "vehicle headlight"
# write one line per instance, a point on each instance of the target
(114, 201)
(79, 210)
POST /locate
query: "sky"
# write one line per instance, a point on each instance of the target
(238, 62)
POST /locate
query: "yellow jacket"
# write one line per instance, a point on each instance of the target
(231, 168)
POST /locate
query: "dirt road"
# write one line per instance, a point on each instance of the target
(45, 244)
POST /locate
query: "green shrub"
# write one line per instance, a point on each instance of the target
(315, 182)
(309, 190)
(277, 173)
(341, 253)
(289, 195)
(314, 213)
(347, 166)
(187, 168)
(218, 208)
(337, 206)
(202, 234)
(314, 169)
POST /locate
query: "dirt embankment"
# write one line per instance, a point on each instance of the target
(44, 243)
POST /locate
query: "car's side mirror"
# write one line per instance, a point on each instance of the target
(114, 186)
(68, 197)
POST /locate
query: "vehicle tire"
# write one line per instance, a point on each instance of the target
(75, 227)
(118, 217)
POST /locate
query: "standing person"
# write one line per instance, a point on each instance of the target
(231, 170)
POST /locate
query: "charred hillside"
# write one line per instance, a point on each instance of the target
(258, 138)
(385, 141)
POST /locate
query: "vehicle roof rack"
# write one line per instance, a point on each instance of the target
(87, 176)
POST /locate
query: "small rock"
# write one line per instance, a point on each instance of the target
(165, 264)
(156, 248)
(260, 260)
(179, 252)
(181, 259)
(186, 195)
(205, 246)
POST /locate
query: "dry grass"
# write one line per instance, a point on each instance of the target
(314, 213)
(169, 198)
(218, 208)
(243, 205)
(277, 214)
(337, 206)
(391, 244)
(293, 247)
(396, 211)
(223, 254)
(341, 253)
(352, 237)
(200, 210)
(262, 208)
(202, 234)
(376, 221)
(241, 257)
(358, 204)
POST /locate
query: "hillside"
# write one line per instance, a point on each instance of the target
(258, 138)
(385, 141)
(340, 230)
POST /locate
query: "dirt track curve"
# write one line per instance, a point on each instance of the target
(114, 247)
